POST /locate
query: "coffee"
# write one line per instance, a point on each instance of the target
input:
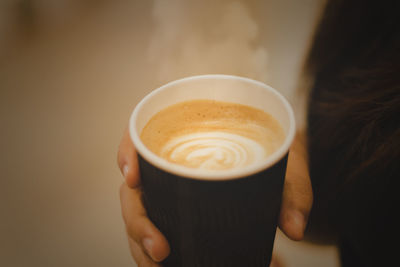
(212, 135)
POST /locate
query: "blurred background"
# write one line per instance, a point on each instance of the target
(71, 72)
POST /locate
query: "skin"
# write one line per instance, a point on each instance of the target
(147, 244)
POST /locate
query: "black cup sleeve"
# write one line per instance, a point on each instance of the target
(215, 223)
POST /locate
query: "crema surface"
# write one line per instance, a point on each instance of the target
(212, 135)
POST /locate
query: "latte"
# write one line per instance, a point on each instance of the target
(212, 135)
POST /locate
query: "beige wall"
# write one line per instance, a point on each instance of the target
(71, 73)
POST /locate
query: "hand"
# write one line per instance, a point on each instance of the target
(147, 244)
(297, 192)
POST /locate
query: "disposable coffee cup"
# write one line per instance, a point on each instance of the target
(222, 218)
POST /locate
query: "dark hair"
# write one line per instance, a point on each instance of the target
(354, 105)
(354, 125)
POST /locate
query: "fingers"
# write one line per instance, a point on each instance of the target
(140, 229)
(127, 161)
(147, 244)
(140, 257)
(297, 193)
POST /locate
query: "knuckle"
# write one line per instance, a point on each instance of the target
(139, 255)
(122, 194)
(133, 229)
(120, 161)
(122, 189)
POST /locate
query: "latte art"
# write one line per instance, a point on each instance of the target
(213, 151)
(212, 135)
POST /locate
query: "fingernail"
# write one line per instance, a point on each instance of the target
(148, 246)
(297, 219)
(125, 170)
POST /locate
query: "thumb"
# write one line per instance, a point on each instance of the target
(297, 195)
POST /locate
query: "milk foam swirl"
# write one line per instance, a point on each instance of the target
(213, 150)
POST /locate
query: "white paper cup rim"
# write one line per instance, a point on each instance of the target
(216, 175)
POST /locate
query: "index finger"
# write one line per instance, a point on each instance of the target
(127, 161)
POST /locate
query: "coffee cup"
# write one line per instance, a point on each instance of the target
(213, 216)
